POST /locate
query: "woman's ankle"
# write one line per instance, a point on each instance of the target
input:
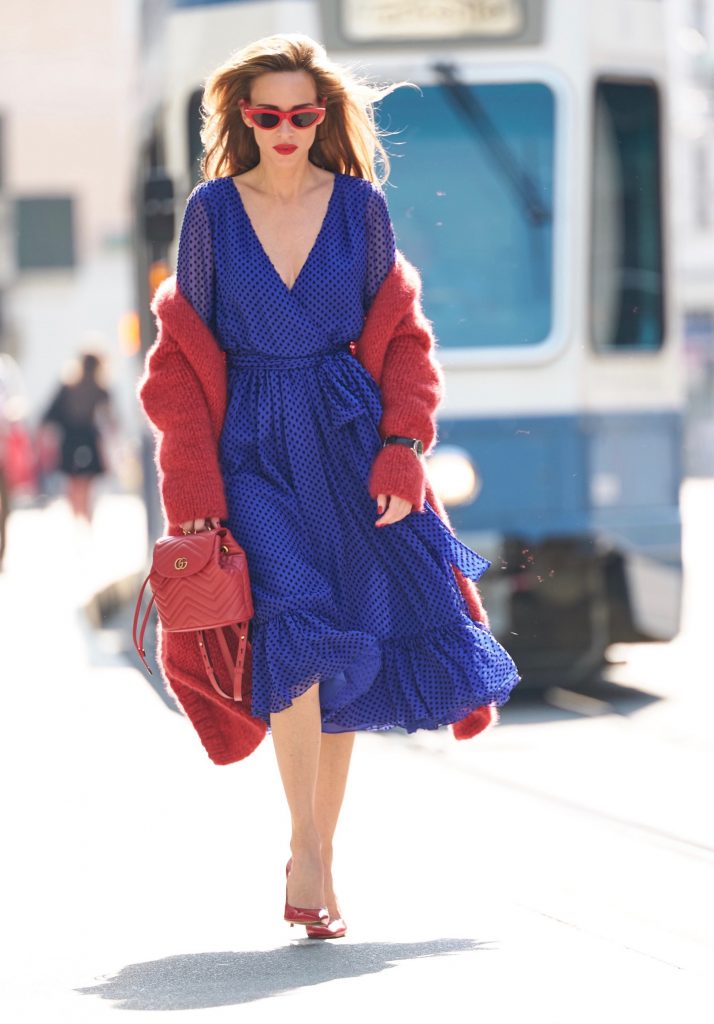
(326, 854)
(305, 843)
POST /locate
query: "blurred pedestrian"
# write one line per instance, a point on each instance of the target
(296, 438)
(82, 413)
(4, 483)
(17, 461)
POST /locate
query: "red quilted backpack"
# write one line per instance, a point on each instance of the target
(200, 584)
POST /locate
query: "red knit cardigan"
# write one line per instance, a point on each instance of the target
(184, 393)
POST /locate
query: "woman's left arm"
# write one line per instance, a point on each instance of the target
(411, 384)
(412, 387)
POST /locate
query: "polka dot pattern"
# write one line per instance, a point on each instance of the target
(373, 615)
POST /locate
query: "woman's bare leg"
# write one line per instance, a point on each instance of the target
(85, 498)
(335, 754)
(296, 737)
(72, 495)
(78, 492)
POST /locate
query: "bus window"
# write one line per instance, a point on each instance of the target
(471, 196)
(626, 268)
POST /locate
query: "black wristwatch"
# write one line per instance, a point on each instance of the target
(410, 442)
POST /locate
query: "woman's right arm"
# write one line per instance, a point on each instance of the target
(195, 264)
(53, 413)
(173, 399)
(186, 455)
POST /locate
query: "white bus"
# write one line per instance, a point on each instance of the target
(529, 185)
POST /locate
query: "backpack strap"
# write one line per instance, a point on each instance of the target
(235, 669)
(139, 644)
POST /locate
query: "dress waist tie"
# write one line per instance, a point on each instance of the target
(473, 566)
(239, 360)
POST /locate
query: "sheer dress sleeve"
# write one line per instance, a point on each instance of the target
(195, 271)
(381, 246)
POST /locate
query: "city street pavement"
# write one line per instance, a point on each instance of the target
(556, 869)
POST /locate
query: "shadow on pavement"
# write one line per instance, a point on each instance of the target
(203, 980)
(568, 703)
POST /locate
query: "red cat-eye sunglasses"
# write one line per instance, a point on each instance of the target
(268, 120)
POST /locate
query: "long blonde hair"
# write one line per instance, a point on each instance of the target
(348, 140)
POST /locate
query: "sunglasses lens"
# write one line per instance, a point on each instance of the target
(266, 120)
(304, 118)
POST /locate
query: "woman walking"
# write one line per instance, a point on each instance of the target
(80, 410)
(293, 388)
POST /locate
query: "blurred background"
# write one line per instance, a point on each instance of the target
(553, 179)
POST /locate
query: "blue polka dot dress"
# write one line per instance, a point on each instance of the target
(373, 615)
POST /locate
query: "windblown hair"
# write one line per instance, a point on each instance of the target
(348, 140)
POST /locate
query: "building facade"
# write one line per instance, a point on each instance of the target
(66, 154)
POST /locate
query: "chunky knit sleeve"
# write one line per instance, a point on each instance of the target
(381, 249)
(412, 387)
(195, 272)
(190, 480)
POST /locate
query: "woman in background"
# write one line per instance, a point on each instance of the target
(80, 411)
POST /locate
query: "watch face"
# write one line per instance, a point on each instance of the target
(418, 447)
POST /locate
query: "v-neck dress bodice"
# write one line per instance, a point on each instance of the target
(323, 227)
(239, 293)
(374, 615)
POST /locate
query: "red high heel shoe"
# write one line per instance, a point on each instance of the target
(316, 916)
(334, 929)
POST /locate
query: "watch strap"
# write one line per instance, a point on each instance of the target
(409, 442)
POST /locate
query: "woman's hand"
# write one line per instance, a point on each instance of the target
(395, 509)
(199, 525)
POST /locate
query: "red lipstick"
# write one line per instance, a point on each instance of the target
(285, 149)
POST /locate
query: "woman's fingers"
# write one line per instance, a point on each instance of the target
(381, 507)
(207, 523)
(199, 525)
(396, 509)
